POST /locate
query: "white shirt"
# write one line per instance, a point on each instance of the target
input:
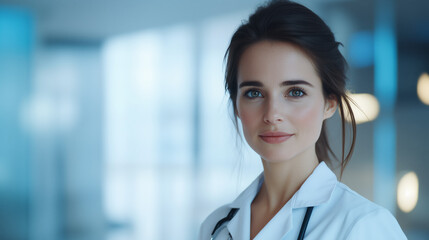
(339, 213)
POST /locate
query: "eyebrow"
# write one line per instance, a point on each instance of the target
(284, 83)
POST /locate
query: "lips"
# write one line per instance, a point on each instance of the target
(275, 137)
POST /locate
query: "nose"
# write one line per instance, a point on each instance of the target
(273, 112)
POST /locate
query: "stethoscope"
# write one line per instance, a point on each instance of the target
(221, 224)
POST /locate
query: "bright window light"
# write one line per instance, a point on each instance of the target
(423, 88)
(365, 109)
(408, 192)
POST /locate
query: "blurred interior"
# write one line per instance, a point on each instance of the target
(114, 122)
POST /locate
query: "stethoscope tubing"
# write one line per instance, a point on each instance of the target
(305, 223)
(221, 224)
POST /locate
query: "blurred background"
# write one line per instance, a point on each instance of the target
(114, 122)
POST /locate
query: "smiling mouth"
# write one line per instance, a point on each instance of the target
(275, 137)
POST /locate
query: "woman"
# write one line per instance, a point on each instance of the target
(285, 77)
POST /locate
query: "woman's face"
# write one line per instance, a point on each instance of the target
(280, 101)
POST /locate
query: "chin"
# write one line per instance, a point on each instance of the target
(278, 157)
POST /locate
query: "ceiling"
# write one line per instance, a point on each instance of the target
(95, 20)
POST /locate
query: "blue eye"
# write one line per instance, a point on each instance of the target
(296, 92)
(253, 94)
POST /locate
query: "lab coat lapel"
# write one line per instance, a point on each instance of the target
(271, 230)
(239, 225)
(317, 189)
(288, 223)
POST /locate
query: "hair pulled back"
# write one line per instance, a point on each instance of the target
(287, 21)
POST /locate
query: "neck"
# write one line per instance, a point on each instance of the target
(283, 179)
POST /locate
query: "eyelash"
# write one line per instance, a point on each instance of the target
(303, 93)
(246, 93)
(296, 89)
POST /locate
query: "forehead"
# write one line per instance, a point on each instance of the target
(275, 61)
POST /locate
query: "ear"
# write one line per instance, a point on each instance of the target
(330, 107)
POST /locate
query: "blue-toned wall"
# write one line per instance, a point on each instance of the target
(16, 48)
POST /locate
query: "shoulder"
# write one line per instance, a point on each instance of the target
(347, 205)
(352, 201)
(377, 224)
(361, 218)
(210, 222)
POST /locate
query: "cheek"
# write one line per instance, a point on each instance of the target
(309, 119)
(249, 115)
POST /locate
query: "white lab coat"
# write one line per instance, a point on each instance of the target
(339, 213)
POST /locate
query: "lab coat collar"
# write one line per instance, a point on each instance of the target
(317, 189)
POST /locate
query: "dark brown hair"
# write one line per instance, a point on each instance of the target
(287, 21)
